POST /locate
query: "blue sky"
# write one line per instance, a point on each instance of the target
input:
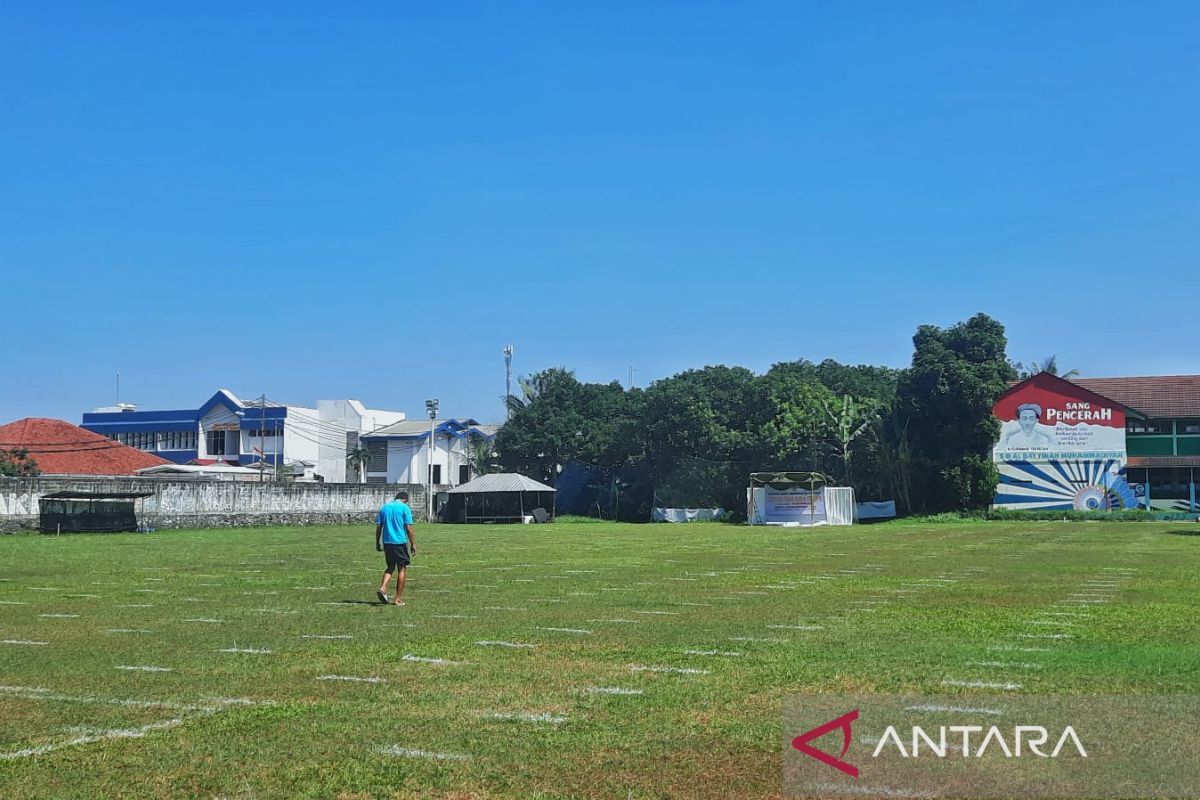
(371, 202)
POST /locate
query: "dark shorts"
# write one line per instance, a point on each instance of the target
(396, 555)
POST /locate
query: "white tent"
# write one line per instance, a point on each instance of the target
(794, 499)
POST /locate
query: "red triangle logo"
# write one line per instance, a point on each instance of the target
(801, 743)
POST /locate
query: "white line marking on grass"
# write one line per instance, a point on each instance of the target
(204, 619)
(326, 636)
(451, 616)
(160, 580)
(133, 668)
(798, 627)
(1059, 622)
(728, 653)
(756, 639)
(564, 630)
(696, 604)
(617, 619)
(151, 591)
(24, 641)
(678, 670)
(489, 643)
(612, 690)
(505, 608)
(13, 603)
(983, 685)
(1005, 664)
(82, 595)
(38, 693)
(136, 605)
(59, 616)
(995, 712)
(256, 650)
(659, 613)
(1011, 649)
(404, 752)
(350, 678)
(423, 660)
(127, 630)
(521, 716)
(1044, 636)
(100, 736)
(43, 589)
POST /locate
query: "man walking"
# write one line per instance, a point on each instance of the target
(394, 538)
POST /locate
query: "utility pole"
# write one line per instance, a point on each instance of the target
(632, 369)
(118, 390)
(508, 354)
(431, 407)
(262, 437)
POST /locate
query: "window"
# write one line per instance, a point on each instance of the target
(214, 442)
(464, 473)
(259, 433)
(177, 440)
(1148, 427)
(139, 439)
(1189, 427)
(437, 473)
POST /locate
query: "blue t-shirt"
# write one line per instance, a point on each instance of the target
(394, 515)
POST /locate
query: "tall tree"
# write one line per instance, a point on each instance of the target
(357, 459)
(944, 402)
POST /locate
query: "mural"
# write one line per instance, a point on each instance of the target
(1060, 447)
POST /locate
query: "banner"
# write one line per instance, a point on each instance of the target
(797, 506)
(1050, 419)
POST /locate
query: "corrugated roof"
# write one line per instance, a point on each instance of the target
(501, 482)
(1164, 461)
(60, 448)
(1157, 396)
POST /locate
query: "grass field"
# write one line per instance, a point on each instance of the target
(561, 660)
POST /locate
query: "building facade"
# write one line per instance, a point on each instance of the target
(400, 453)
(311, 442)
(1100, 444)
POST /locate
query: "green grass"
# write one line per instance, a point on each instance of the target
(713, 734)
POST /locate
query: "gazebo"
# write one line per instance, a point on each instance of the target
(501, 497)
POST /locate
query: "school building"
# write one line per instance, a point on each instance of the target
(1100, 443)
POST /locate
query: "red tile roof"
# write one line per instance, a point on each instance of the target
(1157, 397)
(60, 448)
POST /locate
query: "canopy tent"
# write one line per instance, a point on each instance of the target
(797, 498)
(500, 497)
(89, 512)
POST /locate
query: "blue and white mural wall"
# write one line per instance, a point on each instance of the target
(1061, 447)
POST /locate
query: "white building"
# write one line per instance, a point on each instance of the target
(311, 443)
(400, 453)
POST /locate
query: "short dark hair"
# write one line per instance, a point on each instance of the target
(401, 495)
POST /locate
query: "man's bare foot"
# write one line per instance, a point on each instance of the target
(398, 603)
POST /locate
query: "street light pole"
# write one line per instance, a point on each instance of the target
(431, 408)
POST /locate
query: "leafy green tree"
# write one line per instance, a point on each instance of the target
(944, 403)
(481, 451)
(17, 462)
(566, 420)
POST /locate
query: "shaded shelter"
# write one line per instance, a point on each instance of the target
(89, 512)
(501, 497)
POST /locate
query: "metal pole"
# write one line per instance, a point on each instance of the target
(508, 354)
(430, 491)
(262, 437)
